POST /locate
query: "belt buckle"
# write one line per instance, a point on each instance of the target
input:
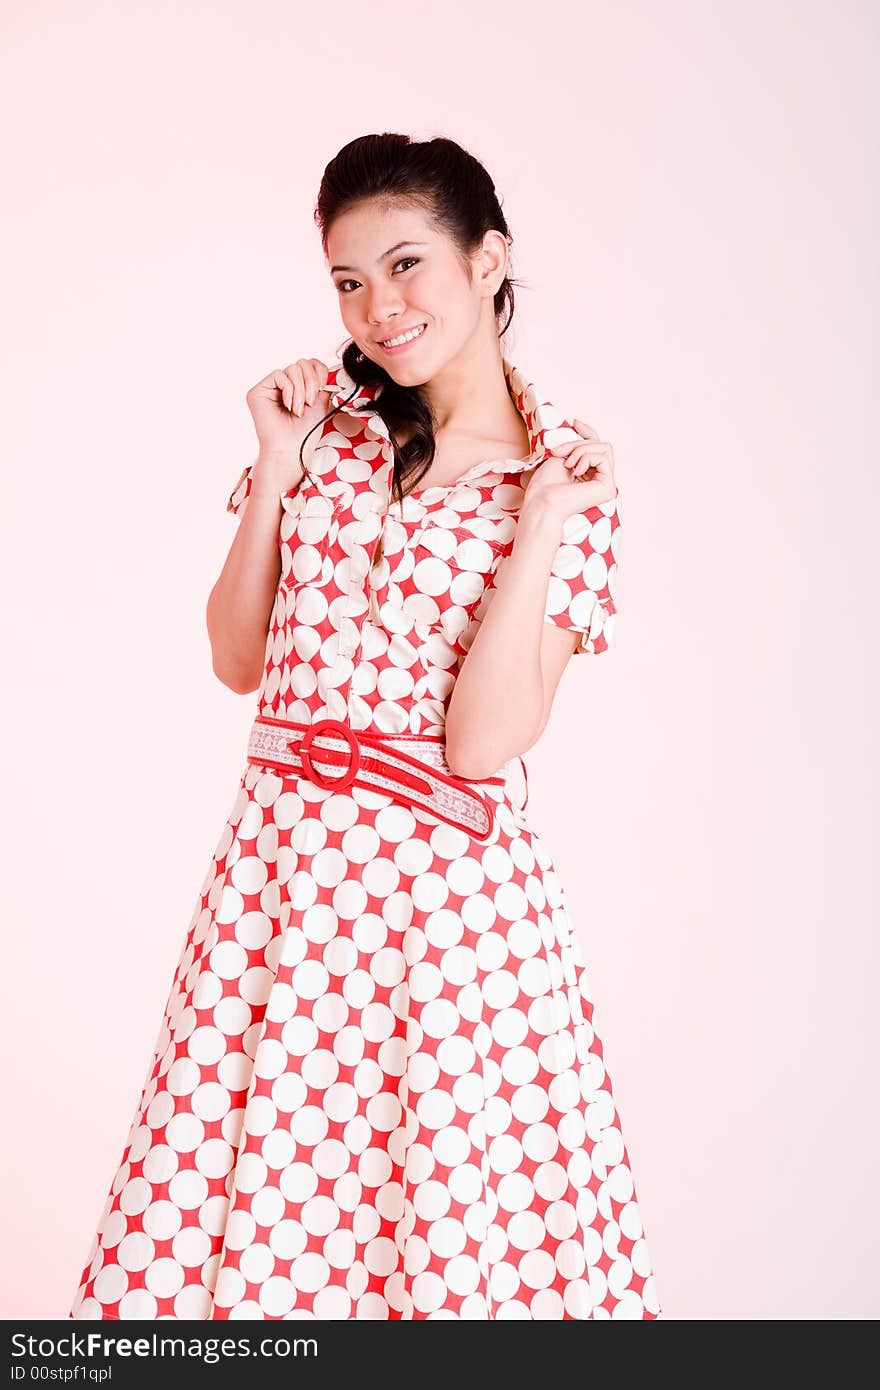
(329, 726)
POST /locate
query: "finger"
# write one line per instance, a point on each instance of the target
(597, 453)
(585, 466)
(597, 445)
(574, 455)
(307, 384)
(577, 462)
(565, 448)
(597, 478)
(312, 379)
(285, 388)
(586, 430)
(588, 488)
(294, 373)
(299, 392)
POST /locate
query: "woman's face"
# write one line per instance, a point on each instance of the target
(394, 271)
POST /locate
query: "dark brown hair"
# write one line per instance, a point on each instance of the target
(454, 190)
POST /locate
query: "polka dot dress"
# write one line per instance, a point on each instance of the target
(376, 1090)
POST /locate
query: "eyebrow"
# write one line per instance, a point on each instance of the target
(384, 256)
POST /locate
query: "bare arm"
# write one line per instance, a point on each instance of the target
(240, 603)
(505, 688)
(285, 406)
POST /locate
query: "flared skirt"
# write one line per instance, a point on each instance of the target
(376, 1091)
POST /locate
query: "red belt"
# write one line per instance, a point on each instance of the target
(335, 756)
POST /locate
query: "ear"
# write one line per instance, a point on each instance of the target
(493, 257)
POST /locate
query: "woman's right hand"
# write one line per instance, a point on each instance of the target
(285, 406)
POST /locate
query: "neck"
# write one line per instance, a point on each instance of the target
(470, 396)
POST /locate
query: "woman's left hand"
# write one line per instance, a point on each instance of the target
(573, 477)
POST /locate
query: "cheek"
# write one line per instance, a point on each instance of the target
(454, 303)
(440, 292)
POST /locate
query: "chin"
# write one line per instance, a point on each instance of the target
(403, 376)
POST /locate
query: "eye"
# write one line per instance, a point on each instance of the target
(340, 285)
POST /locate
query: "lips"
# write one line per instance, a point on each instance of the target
(384, 343)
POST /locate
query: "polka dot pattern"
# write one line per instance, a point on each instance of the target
(377, 1091)
(379, 644)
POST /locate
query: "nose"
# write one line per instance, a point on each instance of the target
(384, 310)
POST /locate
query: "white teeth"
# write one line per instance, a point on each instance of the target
(404, 337)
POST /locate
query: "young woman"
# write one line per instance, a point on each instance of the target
(376, 1091)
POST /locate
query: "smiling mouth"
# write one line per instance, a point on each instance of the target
(401, 339)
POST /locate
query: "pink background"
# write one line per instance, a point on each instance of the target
(692, 191)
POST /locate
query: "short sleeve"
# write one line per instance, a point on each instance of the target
(240, 493)
(580, 595)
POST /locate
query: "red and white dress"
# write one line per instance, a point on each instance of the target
(376, 1091)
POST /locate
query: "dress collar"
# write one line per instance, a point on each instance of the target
(547, 426)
